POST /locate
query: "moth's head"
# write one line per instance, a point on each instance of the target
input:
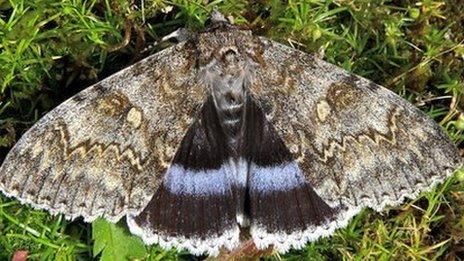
(226, 44)
(227, 55)
(220, 42)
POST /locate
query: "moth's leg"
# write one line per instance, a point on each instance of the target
(247, 250)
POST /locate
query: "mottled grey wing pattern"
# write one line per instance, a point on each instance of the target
(355, 144)
(103, 152)
(358, 143)
(228, 129)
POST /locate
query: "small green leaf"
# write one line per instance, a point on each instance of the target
(460, 123)
(317, 33)
(460, 176)
(115, 243)
(414, 13)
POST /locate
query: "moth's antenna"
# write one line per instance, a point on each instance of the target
(217, 17)
(217, 20)
(179, 35)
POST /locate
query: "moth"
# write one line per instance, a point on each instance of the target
(227, 131)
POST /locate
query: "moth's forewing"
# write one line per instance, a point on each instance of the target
(104, 152)
(228, 129)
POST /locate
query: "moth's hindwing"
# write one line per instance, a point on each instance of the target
(195, 206)
(284, 209)
(104, 151)
(228, 129)
(355, 143)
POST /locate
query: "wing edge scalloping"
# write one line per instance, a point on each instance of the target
(283, 242)
(229, 239)
(46, 116)
(57, 212)
(418, 189)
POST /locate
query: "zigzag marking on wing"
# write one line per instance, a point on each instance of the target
(87, 147)
(328, 151)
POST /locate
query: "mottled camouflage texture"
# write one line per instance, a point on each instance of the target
(358, 143)
(105, 151)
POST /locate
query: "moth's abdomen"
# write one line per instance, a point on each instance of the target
(230, 109)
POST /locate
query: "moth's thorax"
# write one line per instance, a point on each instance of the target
(226, 77)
